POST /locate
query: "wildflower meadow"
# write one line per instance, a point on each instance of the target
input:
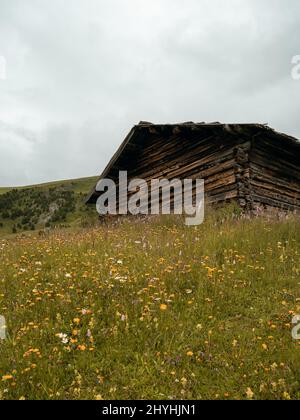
(152, 309)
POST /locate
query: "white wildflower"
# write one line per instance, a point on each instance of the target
(63, 337)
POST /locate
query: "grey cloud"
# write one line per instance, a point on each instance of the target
(81, 74)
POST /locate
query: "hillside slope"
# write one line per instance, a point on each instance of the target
(152, 310)
(46, 205)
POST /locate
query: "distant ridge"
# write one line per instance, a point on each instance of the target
(81, 184)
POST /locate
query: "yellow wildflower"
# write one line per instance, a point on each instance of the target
(249, 393)
(7, 378)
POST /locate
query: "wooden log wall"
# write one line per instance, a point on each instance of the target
(189, 154)
(274, 175)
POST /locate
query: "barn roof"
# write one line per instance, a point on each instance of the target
(133, 139)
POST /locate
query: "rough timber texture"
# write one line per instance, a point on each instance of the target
(249, 163)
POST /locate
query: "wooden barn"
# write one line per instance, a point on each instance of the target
(249, 163)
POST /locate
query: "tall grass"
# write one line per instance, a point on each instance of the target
(153, 309)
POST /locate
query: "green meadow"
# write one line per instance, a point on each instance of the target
(152, 309)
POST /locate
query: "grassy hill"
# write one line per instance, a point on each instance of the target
(153, 310)
(80, 185)
(46, 205)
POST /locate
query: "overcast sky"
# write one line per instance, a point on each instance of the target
(81, 73)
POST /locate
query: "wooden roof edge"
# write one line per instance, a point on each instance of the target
(264, 126)
(226, 126)
(145, 124)
(293, 139)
